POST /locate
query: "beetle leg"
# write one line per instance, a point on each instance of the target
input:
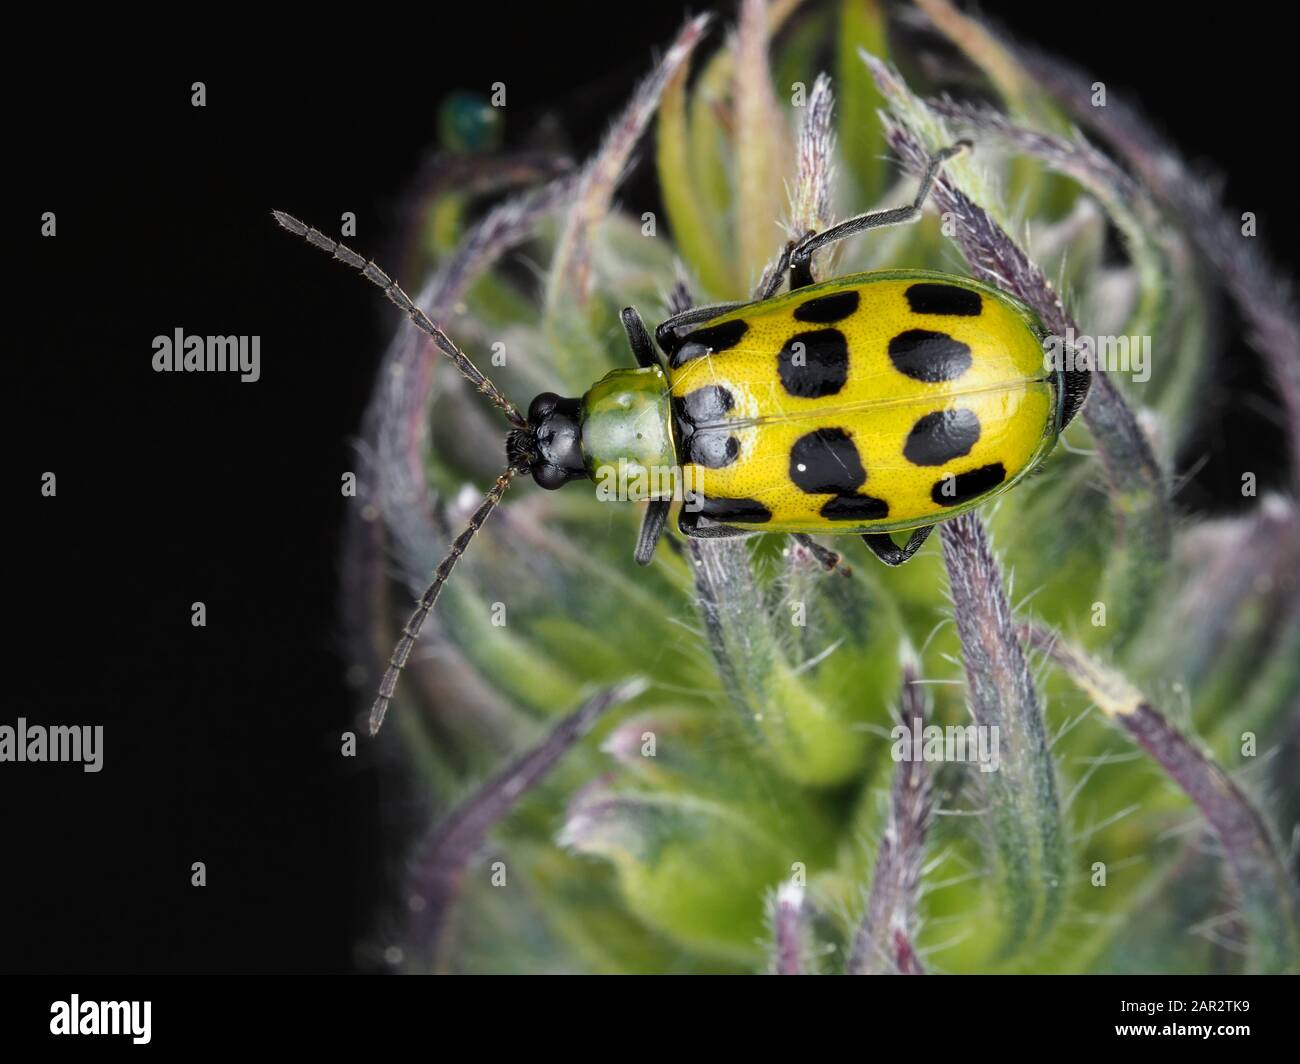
(883, 546)
(691, 524)
(827, 558)
(801, 256)
(638, 337)
(680, 298)
(652, 527)
(801, 272)
(773, 278)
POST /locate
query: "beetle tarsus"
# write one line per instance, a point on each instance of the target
(800, 257)
(883, 546)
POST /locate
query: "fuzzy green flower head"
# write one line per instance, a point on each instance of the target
(1004, 755)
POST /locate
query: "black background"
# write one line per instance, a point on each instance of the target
(222, 742)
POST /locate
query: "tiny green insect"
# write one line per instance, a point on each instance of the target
(467, 122)
(866, 405)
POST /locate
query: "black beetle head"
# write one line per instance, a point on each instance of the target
(552, 449)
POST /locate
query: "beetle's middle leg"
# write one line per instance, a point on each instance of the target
(801, 253)
(828, 559)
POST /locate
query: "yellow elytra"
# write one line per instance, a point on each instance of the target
(871, 403)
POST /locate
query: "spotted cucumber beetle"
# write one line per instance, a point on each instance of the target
(873, 403)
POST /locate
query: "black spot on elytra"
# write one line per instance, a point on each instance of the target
(855, 508)
(698, 415)
(709, 340)
(941, 436)
(746, 511)
(966, 486)
(826, 462)
(704, 406)
(826, 310)
(944, 299)
(814, 364)
(713, 448)
(929, 356)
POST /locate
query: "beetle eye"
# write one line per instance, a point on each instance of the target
(540, 407)
(549, 476)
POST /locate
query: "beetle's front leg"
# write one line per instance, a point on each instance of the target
(652, 527)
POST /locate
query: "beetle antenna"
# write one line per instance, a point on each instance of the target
(419, 318)
(411, 631)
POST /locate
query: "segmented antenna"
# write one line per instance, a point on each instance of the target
(418, 317)
(411, 632)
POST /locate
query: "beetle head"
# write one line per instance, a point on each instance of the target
(551, 447)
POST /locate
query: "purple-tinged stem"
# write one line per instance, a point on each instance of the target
(441, 861)
(1268, 895)
(789, 932)
(570, 270)
(883, 942)
(1027, 844)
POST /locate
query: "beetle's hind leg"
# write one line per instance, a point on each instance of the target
(883, 546)
(775, 274)
(801, 254)
(828, 559)
(666, 332)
